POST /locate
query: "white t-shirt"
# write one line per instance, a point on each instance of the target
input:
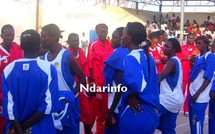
(208, 32)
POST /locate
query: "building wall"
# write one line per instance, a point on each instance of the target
(76, 17)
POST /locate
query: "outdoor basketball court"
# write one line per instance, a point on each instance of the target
(183, 125)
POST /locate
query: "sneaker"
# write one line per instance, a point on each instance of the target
(186, 114)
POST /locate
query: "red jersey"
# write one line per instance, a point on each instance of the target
(81, 59)
(6, 58)
(190, 28)
(157, 54)
(97, 54)
(198, 32)
(187, 51)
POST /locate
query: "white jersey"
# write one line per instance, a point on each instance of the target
(171, 95)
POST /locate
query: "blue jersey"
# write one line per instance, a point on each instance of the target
(213, 84)
(203, 68)
(137, 78)
(29, 86)
(66, 84)
(66, 81)
(113, 64)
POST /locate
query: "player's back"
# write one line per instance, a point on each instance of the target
(31, 83)
(28, 80)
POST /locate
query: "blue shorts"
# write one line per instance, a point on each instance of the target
(167, 121)
(140, 123)
(211, 121)
(115, 128)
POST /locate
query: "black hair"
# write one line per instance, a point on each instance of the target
(137, 31)
(161, 32)
(53, 30)
(71, 35)
(120, 30)
(100, 25)
(30, 40)
(6, 26)
(154, 35)
(189, 34)
(148, 42)
(138, 35)
(205, 40)
(175, 43)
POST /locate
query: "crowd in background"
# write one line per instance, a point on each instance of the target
(171, 25)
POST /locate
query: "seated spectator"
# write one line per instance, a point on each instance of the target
(166, 19)
(170, 35)
(209, 20)
(195, 23)
(155, 27)
(207, 31)
(154, 20)
(166, 30)
(186, 25)
(173, 18)
(210, 27)
(198, 31)
(163, 25)
(202, 29)
(177, 31)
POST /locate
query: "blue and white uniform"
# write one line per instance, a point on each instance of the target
(113, 64)
(68, 120)
(203, 69)
(171, 98)
(211, 120)
(29, 86)
(137, 77)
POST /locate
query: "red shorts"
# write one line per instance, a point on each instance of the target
(2, 124)
(85, 109)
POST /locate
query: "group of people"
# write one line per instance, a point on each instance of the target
(41, 81)
(171, 25)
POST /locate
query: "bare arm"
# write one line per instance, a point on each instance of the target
(204, 85)
(36, 117)
(78, 72)
(212, 95)
(91, 75)
(17, 126)
(117, 95)
(170, 66)
(116, 99)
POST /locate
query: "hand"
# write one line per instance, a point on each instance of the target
(90, 94)
(109, 120)
(195, 97)
(0, 109)
(12, 131)
(192, 58)
(134, 103)
(163, 60)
